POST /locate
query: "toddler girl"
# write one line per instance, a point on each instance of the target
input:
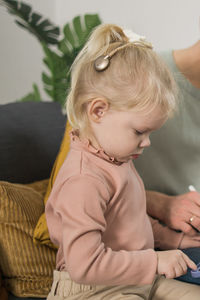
(96, 213)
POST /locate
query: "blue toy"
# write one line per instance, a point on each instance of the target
(196, 273)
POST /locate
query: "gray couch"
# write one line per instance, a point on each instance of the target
(30, 136)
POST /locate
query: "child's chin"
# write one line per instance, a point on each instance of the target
(125, 159)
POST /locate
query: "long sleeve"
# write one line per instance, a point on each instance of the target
(81, 207)
(165, 238)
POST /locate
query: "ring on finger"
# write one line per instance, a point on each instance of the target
(191, 219)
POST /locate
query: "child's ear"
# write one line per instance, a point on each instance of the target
(97, 108)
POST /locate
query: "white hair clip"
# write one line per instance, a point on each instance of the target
(136, 38)
(132, 36)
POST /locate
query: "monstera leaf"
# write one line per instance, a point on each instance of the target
(59, 52)
(55, 82)
(42, 28)
(76, 34)
(32, 96)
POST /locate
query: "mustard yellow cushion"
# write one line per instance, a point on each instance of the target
(41, 234)
(26, 268)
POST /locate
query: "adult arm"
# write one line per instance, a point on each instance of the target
(176, 211)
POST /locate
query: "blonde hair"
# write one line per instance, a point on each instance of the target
(136, 77)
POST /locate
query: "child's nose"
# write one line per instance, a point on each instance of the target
(145, 143)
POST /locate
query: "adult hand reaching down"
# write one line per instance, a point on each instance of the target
(180, 212)
(190, 241)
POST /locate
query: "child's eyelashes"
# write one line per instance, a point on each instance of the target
(138, 132)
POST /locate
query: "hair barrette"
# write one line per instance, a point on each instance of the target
(103, 61)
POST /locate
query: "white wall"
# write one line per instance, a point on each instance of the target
(166, 23)
(20, 54)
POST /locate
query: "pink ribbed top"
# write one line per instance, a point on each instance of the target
(96, 215)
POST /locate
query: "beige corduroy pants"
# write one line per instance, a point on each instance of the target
(64, 288)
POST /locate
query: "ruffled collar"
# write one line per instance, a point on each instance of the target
(86, 145)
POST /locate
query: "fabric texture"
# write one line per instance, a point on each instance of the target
(99, 206)
(41, 233)
(30, 135)
(26, 268)
(173, 157)
(64, 288)
(12, 297)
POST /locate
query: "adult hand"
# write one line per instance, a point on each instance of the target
(183, 213)
(190, 241)
(180, 212)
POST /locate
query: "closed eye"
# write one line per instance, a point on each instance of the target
(138, 132)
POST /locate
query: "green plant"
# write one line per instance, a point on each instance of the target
(60, 46)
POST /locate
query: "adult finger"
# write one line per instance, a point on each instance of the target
(194, 222)
(187, 228)
(196, 237)
(195, 196)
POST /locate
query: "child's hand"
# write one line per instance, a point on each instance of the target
(190, 241)
(173, 263)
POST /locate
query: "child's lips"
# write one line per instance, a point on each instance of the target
(134, 156)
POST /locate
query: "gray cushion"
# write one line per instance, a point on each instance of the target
(30, 137)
